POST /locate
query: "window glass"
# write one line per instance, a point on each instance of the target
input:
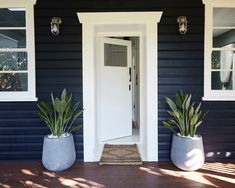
(223, 59)
(222, 80)
(12, 17)
(222, 63)
(223, 17)
(13, 82)
(11, 61)
(12, 39)
(115, 55)
(223, 37)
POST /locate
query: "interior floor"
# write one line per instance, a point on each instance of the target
(135, 138)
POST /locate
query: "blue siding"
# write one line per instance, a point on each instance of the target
(59, 65)
(181, 68)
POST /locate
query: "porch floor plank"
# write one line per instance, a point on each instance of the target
(92, 175)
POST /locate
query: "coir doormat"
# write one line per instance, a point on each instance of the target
(120, 155)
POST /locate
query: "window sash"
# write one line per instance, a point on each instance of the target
(29, 95)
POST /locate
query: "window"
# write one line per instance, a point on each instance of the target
(115, 55)
(219, 53)
(17, 51)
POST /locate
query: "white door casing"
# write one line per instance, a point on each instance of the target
(140, 24)
(114, 103)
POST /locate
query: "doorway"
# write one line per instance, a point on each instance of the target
(119, 24)
(118, 91)
(118, 120)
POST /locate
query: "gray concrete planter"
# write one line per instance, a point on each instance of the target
(58, 153)
(187, 153)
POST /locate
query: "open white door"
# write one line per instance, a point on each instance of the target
(114, 89)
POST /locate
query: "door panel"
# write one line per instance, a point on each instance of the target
(115, 104)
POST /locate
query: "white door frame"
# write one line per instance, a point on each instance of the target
(121, 22)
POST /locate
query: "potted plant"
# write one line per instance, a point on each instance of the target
(187, 152)
(60, 116)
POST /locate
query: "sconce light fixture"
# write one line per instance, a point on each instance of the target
(183, 22)
(55, 25)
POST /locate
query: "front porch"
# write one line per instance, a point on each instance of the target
(91, 175)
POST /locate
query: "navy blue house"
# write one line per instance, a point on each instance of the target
(59, 65)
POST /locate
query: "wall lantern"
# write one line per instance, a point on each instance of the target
(55, 25)
(183, 22)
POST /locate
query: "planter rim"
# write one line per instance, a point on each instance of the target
(64, 137)
(197, 137)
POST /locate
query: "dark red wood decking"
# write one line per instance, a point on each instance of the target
(91, 175)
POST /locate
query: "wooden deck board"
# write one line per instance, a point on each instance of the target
(91, 175)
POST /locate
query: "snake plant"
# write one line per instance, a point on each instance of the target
(61, 115)
(185, 115)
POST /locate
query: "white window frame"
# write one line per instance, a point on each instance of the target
(30, 95)
(209, 94)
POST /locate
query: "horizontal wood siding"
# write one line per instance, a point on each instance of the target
(181, 68)
(59, 65)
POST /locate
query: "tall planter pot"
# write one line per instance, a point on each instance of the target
(58, 153)
(187, 153)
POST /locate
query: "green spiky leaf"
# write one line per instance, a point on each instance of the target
(185, 116)
(61, 114)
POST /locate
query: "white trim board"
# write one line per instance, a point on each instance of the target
(140, 24)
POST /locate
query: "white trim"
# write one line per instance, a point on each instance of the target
(13, 50)
(223, 27)
(17, 3)
(30, 45)
(218, 99)
(209, 94)
(30, 95)
(12, 28)
(18, 71)
(90, 21)
(223, 49)
(218, 3)
(19, 99)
